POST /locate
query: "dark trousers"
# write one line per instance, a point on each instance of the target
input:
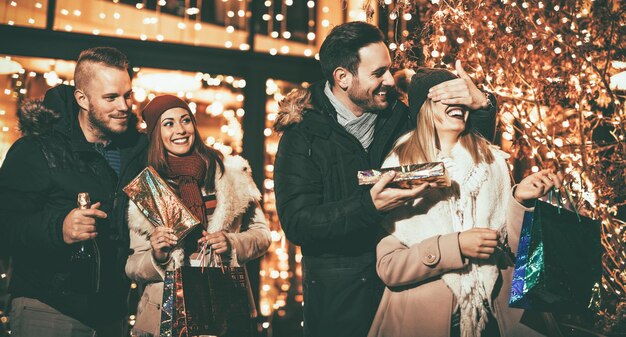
(32, 318)
(341, 295)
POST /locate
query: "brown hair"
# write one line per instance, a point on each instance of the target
(341, 47)
(423, 143)
(157, 156)
(107, 56)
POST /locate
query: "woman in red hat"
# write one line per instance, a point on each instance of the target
(217, 189)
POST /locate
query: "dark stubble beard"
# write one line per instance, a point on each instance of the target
(101, 125)
(362, 98)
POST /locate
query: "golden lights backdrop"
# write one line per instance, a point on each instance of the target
(557, 69)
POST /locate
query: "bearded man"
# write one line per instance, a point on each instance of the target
(346, 123)
(81, 139)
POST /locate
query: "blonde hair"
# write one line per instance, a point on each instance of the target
(423, 142)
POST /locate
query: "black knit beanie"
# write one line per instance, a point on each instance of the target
(422, 81)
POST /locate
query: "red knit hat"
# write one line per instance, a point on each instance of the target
(153, 111)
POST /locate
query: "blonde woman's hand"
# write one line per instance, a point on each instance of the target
(162, 240)
(478, 243)
(537, 185)
(218, 241)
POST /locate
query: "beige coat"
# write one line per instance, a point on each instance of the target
(420, 262)
(425, 309)
(236, 195)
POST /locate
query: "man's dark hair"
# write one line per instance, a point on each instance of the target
(341, 47)
(107, 56)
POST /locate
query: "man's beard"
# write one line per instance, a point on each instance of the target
(363, 99)
(100, 125)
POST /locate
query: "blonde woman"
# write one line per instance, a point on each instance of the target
(446, 263)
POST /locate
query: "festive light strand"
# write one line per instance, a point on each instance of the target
(550, 67)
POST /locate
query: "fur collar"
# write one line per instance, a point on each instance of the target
(291, 109)
(35, 118)
(235, 191)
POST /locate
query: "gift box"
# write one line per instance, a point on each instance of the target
(409, 175)
(159, 203)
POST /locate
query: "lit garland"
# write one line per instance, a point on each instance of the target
(550, 66)
(219, 97)
(113, 18)
(281, 270)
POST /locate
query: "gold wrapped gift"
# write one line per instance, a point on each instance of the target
(409, 175)
(158, 202)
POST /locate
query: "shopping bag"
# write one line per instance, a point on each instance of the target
(558, 260)
(214, 300)
(166, 328)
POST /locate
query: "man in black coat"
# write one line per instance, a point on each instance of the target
(81, 139)
(330, 131)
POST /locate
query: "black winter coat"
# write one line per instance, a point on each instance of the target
(39, 180)
(323, 209)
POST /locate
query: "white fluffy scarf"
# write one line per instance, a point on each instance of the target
(235, 191)
(477, 198)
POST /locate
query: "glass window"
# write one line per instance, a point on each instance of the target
(288, 19)
(217, 100)
(199, 23)
(28, 13)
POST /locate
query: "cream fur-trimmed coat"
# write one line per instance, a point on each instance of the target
(421, 262)
(250, 238)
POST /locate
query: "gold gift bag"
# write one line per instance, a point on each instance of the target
(158, 202)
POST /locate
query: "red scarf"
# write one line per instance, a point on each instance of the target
(188, 172)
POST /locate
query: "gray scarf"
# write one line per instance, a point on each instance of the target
(360, 127)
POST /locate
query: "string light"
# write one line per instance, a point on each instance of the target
(280, 273)
(552, 111)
